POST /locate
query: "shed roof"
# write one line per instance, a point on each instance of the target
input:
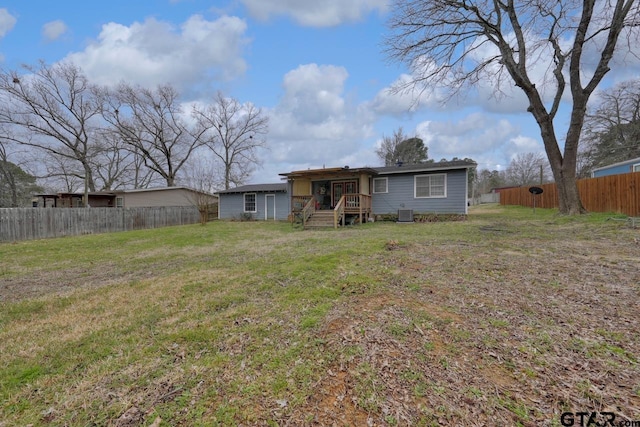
(153, 189)
(257, 188)
(310, 173)
(67, 194)
(117, 192)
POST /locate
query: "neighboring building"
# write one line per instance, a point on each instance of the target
(497, 190)
(632, 165)
(162, 196)
(254, 201)
(144, 197)
(98, 199)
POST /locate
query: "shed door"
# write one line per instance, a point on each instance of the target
(269, 206)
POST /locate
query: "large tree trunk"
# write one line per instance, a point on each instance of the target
(569, 201)
(562, 167)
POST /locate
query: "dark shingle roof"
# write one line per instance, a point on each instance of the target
(426, 167)
(257, 188)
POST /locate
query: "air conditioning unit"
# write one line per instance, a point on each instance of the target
(405, 215)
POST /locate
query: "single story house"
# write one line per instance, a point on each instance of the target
(136, 198)
(333, 196)
(631, 165)
(254, 201)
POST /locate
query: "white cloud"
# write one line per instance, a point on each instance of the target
(54, 29)
(314, 92)
(155, 52)
(314, 124)
(315, 13)
(7, 22)
(489, 141)
(402, 97)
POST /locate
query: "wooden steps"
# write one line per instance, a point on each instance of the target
(320, 219)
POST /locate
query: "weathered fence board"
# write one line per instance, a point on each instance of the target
(40, 223)
(613, 193)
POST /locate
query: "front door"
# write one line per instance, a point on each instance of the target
(339, 188)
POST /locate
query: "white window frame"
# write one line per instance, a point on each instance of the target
(386, 185)
(635, 168)
(430, 176)
(119, 202)
(255, 202)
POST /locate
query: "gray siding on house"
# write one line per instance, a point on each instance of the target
(231, 206)
(400, 194)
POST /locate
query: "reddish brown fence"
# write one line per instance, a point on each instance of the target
(614, 193)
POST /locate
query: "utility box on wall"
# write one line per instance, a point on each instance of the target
(405, 215)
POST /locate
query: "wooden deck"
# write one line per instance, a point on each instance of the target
(305, 209)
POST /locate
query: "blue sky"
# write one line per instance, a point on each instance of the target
(317, 69)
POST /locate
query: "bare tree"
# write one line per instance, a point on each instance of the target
(152, 124)
(113, 163)
(612, 126)
(61, 173)
(488, 180)
(526, 169)
(201, 175)
(57, 111)
(234, 133)
(399, 148)
(445, 41)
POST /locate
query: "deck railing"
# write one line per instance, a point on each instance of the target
(358, 203)
(355, 201)
(338, 211)
(308, 210)
(303, 207)
(297, 205)
(299, 202)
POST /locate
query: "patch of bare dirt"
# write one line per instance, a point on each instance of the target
(487, 336)
(60, 282)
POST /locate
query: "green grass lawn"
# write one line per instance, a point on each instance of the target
(510, 318)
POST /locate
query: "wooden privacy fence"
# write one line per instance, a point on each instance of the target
(40, 223)
(613, 193)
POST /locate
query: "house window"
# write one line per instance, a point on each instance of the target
(250, 202)
(119, 202)
(380, 185)
(430, 186)
(636, 168)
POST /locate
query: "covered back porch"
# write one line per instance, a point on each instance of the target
(330, 197)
